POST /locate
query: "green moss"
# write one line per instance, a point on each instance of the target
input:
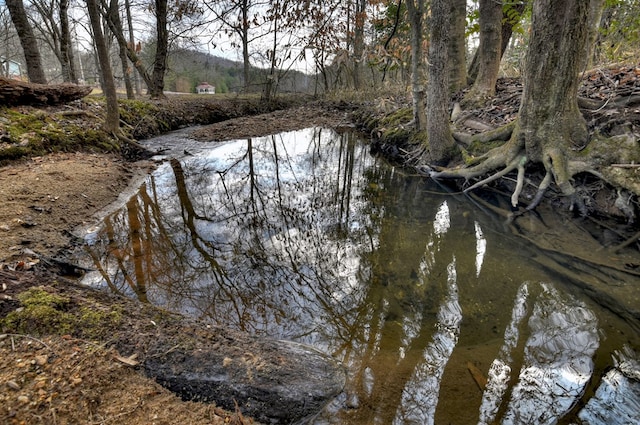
(397, 135)
(95, 322)
(43, 312)
(397, 118)
(478, 148)
(419, 138)
(131, 111)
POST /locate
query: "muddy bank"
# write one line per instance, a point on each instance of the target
(271, 381)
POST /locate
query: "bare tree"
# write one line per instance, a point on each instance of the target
(511, 16)
(112, 122)
(550, 125)
(66, 49)
(162, 50)
(114, 15)
(489, 53)
(238, 18)
(457, 46)
(416, 21)
(27, 40)
(441, 144)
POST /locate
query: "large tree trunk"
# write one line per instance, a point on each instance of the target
(162, 48)
(550, 121)
(35, 71)
(489, 52)
(416, 18)
(441, 143)
(112, 122)
(550, 125)
(457, 46)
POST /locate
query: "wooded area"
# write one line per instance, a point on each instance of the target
(377, 47)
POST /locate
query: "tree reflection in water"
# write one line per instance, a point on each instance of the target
(305, 236)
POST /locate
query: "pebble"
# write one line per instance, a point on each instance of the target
(13, 385)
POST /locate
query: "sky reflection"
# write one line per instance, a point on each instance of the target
(305, 236)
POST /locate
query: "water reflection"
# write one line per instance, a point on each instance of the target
(305, 236)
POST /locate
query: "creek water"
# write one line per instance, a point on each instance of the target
(439, 313)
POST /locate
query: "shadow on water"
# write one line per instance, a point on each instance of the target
(433, 305)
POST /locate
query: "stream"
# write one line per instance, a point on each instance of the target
(440, 313)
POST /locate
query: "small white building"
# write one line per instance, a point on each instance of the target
(10, 68)
(205, 88)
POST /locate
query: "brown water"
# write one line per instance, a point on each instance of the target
(437, 310)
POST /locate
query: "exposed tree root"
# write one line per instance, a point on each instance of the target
(501, 133)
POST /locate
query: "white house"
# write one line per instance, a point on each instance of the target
(205, 88)
(10, 68)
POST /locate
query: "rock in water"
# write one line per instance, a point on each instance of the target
(274, 382)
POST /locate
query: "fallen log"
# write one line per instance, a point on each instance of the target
(14, 93)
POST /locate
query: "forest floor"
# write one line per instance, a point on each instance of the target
(58, 378)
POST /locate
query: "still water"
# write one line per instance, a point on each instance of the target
(438, 312)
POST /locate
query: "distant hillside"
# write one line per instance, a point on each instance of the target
(188, 68)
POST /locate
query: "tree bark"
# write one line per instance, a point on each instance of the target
(130, 48)
(69, 73)
(132, 43)
(596, 7)
(114, 15)
(358, 43)
(416, 19)
(457, 46)
(35, 71)
(550, 121)
(489, 53)
(162, 47)
(550, 126)
(14, 92)
(441, 143)
(112, 121)
(508, 22)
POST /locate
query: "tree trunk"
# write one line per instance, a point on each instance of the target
(457, 46)
(595, 16)
(132, 43)
(114, 15)
(130, 48)
(66, 49)
(510, 18)
(14, 92)
(358, 43)
(416, 19)
(489, 53)
(162, 47)
(35, 71)
(441, 143)
(112, 121)
(244, 36)
(550, 121)
(550, 126)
